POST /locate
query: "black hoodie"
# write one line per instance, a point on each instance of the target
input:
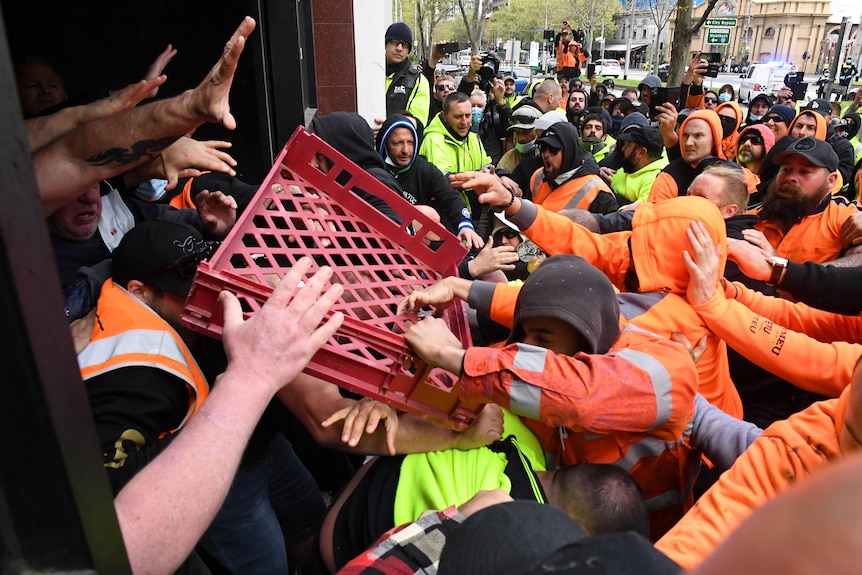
(422, 182)
(351, 135)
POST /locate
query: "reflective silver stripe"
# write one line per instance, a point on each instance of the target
(635, 304)
(530, 357)
(646, 447)
(135, 341)
(525, 399)
(538, 179)
(661, 383)
(585, 189)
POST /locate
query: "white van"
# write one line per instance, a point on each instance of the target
(763, 78)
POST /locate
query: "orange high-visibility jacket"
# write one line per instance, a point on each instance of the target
(130, 334)
(578, 192)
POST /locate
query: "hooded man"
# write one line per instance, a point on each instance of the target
(406, 88)
(843, 148)
(583, 385)
(752, 145)
(642, 262)
(646, 87)
(420, 180)
(595, 133)
(757, 108)
(351, 135)
(730, 114)
(700, 138)
(565, 179)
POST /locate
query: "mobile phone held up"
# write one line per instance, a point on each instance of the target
(659, 96)
(714, 59)
(591, 70)
(449, 47)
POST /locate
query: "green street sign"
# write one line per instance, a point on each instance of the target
(718, 36)
(722, 22)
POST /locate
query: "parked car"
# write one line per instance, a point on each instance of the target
(608, 68)
(663, 71)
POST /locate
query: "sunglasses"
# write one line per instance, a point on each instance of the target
(187, 265)
(441, 87)
(521, 119)
(507, 233)
(553, 150)
(754, 140)
(768, 119)
(710, 99)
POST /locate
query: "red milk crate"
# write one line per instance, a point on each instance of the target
(301, 211)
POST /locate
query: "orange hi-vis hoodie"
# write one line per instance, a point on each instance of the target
(787, 452)
(630, 406)
(775, 334)
(651, 254)
(728, 144)
(665, 185)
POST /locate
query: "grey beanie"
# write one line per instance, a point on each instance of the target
(568, 288)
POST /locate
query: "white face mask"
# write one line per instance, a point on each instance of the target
(526, 148)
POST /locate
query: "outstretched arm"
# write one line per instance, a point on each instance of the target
(107, 147)
(166, 507)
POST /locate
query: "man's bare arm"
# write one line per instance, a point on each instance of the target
(107, 147)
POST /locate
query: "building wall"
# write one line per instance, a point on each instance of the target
(334, 56)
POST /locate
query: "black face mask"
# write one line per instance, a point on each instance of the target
(728, 125)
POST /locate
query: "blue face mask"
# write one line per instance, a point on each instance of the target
(616, 121)
(724, 97)
(526, 148)
(754, 118)
(151, 190)
(477, 114)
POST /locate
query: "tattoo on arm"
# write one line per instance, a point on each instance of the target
(124, 156)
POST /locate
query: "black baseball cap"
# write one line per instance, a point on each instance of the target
(646, 136)
(551, 138)
(162, 254)
(820, 105)
(818, 152)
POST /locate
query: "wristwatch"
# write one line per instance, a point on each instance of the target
(779, 268)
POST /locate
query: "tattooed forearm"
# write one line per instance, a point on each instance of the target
(124, 156)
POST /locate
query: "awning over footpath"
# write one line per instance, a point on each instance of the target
(621, 46)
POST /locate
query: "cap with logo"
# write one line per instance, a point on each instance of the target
(820, 105)
(161, 253)
(818, 152)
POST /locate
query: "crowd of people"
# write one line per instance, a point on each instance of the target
(664, 328)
